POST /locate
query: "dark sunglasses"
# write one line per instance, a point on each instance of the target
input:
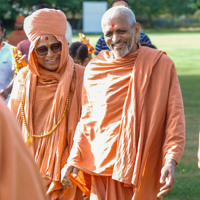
(43, 50)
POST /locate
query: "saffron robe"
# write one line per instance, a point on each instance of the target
(132, 119)
(20, 177)
(44, 94)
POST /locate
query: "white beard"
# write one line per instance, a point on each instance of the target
(122, 53)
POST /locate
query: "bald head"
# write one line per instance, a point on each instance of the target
(121, 32)
(119, 12)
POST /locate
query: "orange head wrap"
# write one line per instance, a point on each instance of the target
(46, 21)
(57, 85)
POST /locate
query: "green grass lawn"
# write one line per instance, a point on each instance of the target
(184, 49)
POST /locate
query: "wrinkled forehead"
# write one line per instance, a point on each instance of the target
(118, 22)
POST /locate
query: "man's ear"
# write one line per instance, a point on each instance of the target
(137, 30)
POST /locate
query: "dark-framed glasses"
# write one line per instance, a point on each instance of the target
(43, 50)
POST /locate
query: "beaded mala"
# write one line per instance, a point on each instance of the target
(28, 140)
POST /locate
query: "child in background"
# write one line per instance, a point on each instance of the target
(79, 52)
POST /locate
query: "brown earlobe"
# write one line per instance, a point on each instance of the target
(137, 30)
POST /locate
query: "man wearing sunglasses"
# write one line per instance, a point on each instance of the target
(46, 98)
(48, 52)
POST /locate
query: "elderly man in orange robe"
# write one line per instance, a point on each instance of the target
(46, 98)
(18, 34)
(132, 130)
(20, 178)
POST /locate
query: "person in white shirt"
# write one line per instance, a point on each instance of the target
(6, 65)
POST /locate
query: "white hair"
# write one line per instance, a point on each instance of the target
(119, 11)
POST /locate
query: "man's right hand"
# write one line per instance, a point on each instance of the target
(66, 170)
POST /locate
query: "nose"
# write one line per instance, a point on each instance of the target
(115, 38)
(50, 52)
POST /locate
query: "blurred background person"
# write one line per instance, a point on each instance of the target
(69, 33)
(148, 45)
(20, 177)
(6, 65)
(79, 52)
(18, 34)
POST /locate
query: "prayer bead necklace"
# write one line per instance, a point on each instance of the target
(28, 140)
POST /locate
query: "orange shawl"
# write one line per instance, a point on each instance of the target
(44, 95)
(20, 178)
(132, 119)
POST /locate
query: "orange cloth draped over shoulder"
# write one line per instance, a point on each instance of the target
(20, 177)
(132, 119)
(44, 96)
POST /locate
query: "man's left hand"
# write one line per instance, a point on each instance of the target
(167, 177)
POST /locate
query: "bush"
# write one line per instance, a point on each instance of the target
(197, 14)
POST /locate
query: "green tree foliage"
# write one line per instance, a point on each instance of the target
(142, 8)
(178, 7)
(196, 4)
(4, 8)
(151, 8)
(147, 9)
(72, 6)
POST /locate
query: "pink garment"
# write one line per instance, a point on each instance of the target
(23, 46)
